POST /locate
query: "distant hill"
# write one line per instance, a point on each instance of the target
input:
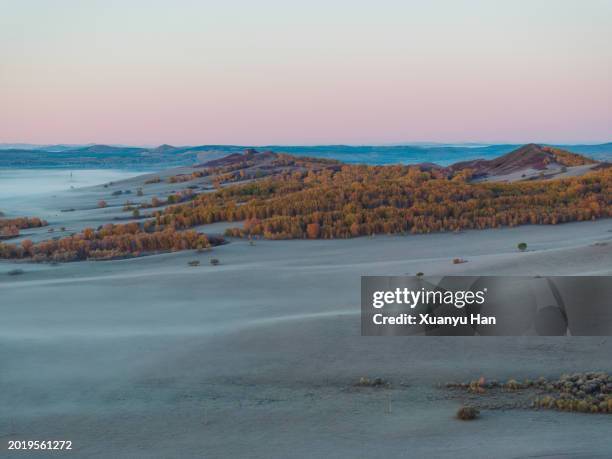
(105, 150)
(528, 161)
(165, 156)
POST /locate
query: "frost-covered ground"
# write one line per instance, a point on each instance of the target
(257, 357)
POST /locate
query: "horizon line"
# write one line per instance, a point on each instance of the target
(374, 144)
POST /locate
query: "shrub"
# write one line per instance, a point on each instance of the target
(522, 246)
(467, 413)
(376, 382)
(513, 384)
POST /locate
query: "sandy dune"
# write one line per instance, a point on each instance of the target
(257, 357)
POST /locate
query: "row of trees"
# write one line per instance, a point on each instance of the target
(9, 227)
(109, 242)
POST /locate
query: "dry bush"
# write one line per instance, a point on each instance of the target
(467, 413)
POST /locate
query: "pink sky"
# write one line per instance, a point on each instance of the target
(148, 73)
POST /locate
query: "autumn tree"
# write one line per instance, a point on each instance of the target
(313, 230)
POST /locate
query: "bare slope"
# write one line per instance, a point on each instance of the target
(529, 162)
